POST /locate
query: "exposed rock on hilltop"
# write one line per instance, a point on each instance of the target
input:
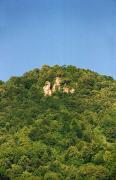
(58, 123)
(49, 90)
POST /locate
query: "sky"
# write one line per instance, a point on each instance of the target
(64, 32)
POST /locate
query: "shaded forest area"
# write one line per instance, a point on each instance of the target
(63, 136)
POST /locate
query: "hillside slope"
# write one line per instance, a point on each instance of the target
(63, 136)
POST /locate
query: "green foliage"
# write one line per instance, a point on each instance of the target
(65, 136)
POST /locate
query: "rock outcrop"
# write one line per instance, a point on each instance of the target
(49, 90)
(72, 91)
(57, 84)
(68, 90)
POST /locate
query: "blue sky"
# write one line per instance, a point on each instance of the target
(77, 32)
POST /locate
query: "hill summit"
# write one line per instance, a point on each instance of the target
(58, 123)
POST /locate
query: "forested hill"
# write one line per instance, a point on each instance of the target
(67, 136)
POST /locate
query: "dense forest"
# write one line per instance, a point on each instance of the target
(60, 137)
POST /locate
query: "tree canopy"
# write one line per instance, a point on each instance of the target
(64, 136)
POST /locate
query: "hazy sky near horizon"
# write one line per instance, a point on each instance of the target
(77, 32)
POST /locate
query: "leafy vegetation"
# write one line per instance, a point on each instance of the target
(65, 136)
